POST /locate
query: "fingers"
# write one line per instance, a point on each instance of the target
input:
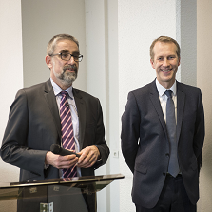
(88, 157)
(67, 161)
(61, 162)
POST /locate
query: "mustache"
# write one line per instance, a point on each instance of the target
(70, 67)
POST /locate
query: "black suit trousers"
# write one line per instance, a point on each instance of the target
(172, 199)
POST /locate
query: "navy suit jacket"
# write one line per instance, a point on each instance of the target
(34, 125)
(145, 143)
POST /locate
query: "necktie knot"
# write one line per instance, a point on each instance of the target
(168, 93)
(64, 93)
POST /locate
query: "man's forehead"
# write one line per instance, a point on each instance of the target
(161, 47)
(65, 44)
(165, 44)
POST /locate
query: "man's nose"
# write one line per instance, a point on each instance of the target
(71, 61)
(165, 62)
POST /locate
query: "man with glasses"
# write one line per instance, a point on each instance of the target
(36, 121)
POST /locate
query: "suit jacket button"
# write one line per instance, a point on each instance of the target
(167, 155)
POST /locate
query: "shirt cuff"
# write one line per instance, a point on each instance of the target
(46, 166)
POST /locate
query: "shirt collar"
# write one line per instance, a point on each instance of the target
(161, 89)
(57, 89)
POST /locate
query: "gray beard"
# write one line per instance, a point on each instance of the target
(67, 78)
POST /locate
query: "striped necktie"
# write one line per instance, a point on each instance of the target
(67, 132)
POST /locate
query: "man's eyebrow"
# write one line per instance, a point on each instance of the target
(66, 51)
(172, 55)
(76, 52)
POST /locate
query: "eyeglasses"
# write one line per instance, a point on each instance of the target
(67, 56)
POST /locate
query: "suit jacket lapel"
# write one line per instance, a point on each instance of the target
(81, 109)
(51, 101)
(180, 108)
(154, 97)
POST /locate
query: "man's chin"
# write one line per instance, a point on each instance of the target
(69, 81)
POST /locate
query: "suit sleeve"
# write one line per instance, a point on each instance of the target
(100, 139)
(15, 148)
(130, 131)
(199, 131)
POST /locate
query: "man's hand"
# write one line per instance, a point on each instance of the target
(61, 162)
(88, 157)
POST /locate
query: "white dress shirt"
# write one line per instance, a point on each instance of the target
(163, 97)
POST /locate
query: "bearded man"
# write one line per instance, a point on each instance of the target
(36, 121)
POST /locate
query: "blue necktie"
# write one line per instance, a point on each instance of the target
(173, 167)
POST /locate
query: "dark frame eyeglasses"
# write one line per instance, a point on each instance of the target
(67, 56)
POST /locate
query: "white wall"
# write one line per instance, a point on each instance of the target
(41, 21)
(204, 76)
(102, 82)
(11, 70)
(97, 69)
(188, 33)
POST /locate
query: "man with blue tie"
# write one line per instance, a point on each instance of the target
(162, 136)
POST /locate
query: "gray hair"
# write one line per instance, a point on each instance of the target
(52, 43)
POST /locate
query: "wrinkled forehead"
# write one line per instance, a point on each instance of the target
(65, 45)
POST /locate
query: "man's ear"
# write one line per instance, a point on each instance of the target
(179, 62)
(49, 61)
(152, 64)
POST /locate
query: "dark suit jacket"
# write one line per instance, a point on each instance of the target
(34, 124)
(145, 143)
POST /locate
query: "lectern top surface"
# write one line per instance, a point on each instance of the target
(89, 179)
